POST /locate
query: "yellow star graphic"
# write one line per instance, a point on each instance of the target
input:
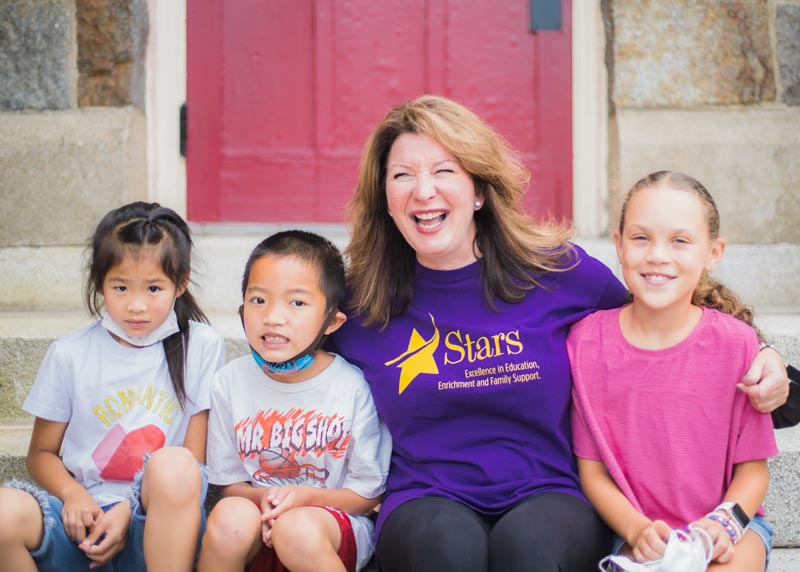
(418, 358)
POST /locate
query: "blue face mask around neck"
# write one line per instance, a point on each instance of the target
(299, 362)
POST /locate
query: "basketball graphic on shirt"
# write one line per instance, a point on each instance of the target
(119, 454)
(277, 469)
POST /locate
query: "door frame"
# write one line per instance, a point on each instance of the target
(166, 90)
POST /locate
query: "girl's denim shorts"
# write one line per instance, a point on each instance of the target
(58, 552)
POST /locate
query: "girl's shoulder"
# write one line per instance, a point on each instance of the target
(598, 320)
(728, 328)
(601, 324)
(206, 349)
(88, 335)
(204, 333)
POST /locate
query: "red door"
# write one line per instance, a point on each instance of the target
(283, 93)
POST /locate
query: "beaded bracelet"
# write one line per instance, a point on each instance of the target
(726, 524)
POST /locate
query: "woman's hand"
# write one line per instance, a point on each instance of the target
(766, 382)
(80, 513)
(111, 530)
(651, 541)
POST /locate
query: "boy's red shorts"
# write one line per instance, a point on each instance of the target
(267, 561)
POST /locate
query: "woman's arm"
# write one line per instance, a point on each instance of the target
(646, 537)
(788, 414)
(44, 464)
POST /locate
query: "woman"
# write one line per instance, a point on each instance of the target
(460, 305)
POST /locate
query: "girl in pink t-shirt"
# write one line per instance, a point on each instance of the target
(663, 437)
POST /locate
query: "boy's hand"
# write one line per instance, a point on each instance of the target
(112, 531)
(651, 541)
(278, 500)
(275, 502)
(266, 524)
(723, 546)
(80, 513)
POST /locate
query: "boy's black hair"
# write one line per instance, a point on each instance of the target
(129, 228)
(312, 248)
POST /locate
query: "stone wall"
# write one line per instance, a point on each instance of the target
(72, 126)
(711, 88)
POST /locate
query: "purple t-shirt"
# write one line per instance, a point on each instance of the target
(477, 400)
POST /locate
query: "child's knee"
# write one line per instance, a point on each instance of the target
(233, 525)
(173, 472)
(21, 518)
(304, 529)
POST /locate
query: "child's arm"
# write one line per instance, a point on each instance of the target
(646, 537)
(244, 490)
(274, 501)
(44, 464)
(282, 499)
(749, 485)
(197, 435)
(748, 488)
(279, 500)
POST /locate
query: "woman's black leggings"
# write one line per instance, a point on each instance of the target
(548, 532)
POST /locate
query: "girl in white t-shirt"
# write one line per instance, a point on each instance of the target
(131, 388)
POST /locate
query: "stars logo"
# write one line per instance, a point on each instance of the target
(418, 358)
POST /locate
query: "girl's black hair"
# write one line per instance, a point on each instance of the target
(129, 228)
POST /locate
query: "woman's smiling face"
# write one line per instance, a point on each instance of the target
(432, 201)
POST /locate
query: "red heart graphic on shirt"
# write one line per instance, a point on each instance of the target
(119, 454)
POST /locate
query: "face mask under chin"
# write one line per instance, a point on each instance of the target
(166, 329)
(299, 362)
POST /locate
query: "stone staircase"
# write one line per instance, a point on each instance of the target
(41, 301)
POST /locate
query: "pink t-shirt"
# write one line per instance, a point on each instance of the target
(668, 424)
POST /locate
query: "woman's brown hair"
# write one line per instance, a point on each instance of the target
(514, 248)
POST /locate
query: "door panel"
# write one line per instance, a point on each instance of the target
(283, 93)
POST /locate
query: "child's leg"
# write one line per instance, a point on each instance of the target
(21, 530)
(233, 536)
(32, 535)
(749, 556)
(173, 490)
(306, 539)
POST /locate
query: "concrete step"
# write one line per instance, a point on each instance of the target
(785, 560)
(782, 503)
(765, 276)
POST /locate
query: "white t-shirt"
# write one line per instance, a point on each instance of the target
(119, 402)
(323, 432)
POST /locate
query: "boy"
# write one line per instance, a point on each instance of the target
(294, 438)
